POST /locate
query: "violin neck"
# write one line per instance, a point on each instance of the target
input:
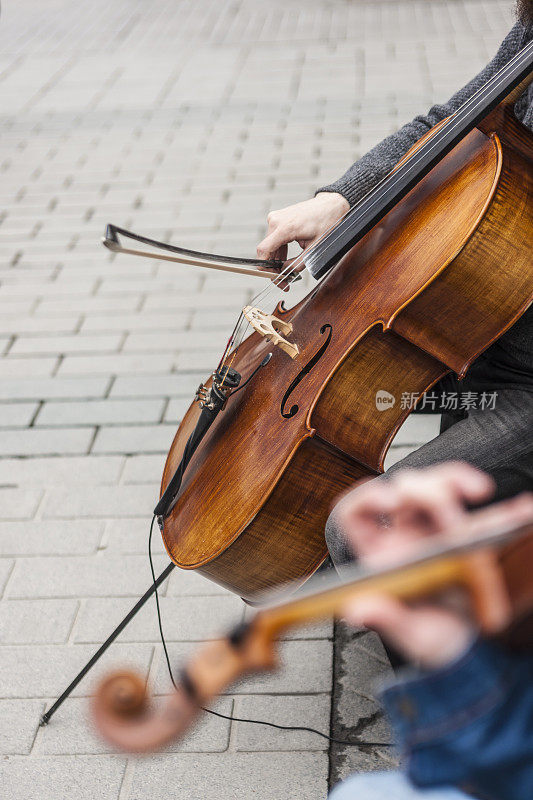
(404, 584)
(443, 564)
(373, 207)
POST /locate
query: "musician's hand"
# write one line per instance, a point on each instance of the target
(303, 223)
(385, 520)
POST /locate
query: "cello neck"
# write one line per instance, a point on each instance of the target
(373, 207)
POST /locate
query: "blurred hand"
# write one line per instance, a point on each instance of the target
(385, 521)
(303, 223)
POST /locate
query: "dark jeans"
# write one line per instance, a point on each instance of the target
(497, 440)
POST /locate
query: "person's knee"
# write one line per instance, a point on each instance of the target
(332, 533)
(336, 541)
(342, 791)
(346, 790)
(372, 786)
(394, 785)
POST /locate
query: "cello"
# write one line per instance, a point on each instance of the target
(417, 280)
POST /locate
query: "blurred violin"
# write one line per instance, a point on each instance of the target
(492, 565)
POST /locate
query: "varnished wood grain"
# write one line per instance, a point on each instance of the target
(490, 280)
(346, 414)
(444, 273)
(285, 542)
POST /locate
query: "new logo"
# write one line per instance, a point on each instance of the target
(384, 400)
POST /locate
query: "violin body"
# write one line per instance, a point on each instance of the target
(445, 273)
(491, 571)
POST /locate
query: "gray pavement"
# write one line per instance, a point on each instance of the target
(187, 121)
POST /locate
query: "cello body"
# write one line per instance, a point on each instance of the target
(444, 274)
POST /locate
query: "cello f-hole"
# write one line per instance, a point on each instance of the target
(303, 372)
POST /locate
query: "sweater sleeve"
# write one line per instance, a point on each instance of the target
(362, 176)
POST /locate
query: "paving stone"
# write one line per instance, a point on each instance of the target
(63, 778)
(47, 288)
(19, 503)
(234, 776)
(223, 319)
(168, 323)
(396, 454)
(65, 344)
(25, 367)
(200, 359)
(360, 664)
(38, 325)
(115, 364)
(300, 661)
(192, 618)
(177, 301)
(303, 710)
(82, 576)
(176, 409)
(101, 501)
(31, 671)
(45, 441)
(183, 582)
(42, 388)
(130, 536)
(134, 439)
(59, 470)
(100, 412)
(17, 415)
(6, 568)
(19, 725)
(33, 621)
(184, 340)
(87, 305)
(142, 468)
(313, 630)
(182, 385)
(74, 732)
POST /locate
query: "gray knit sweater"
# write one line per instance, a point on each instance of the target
(511, 358)
(371, 168)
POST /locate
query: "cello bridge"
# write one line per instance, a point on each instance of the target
(271, 328)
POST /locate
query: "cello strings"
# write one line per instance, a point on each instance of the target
(473, 102)
(230, 717)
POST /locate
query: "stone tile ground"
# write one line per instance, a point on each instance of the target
(186, 121)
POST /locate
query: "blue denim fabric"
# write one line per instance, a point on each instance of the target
(469, 725)
(389, 786)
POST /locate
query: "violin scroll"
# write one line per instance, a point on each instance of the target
(124, 693)
(124, 716)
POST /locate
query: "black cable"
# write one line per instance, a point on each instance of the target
(229, 716)
(156, 593)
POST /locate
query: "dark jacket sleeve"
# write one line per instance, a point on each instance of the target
(469, 725)
(378, 162)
